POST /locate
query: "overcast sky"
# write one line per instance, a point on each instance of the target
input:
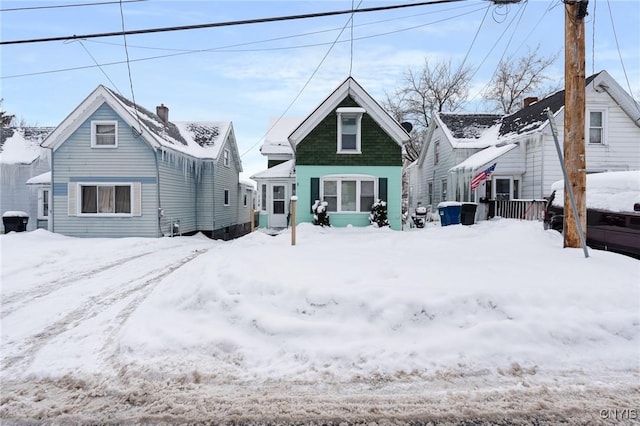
(249, 73)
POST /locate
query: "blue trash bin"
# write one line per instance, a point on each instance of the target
(449, 212)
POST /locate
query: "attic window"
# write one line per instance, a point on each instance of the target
(104, 134)
(349, 130)
(225, 157)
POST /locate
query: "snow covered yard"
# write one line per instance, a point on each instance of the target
(494, 322)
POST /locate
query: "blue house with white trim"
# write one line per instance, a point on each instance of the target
(119, 170)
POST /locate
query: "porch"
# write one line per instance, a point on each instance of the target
(522, 209)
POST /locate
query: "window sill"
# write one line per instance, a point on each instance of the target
(104, 146)
(105, 215)
(349, 152)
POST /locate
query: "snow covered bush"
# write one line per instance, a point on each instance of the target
(320, 215)
(378, 214)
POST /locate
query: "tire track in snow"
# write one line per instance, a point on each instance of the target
(19, 299)
(91, 308)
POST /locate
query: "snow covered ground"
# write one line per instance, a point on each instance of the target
(494, 322)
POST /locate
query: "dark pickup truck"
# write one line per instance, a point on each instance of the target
(612, 231)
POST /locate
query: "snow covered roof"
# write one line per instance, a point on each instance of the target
(611, 191)
(483, 157)
(42, 179)
(201, 139)
(282, 170)
(470, 130)
(276, 140)
(350, 87)
(535, 115)
(21, 145)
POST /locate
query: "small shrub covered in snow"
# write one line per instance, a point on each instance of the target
(378, 214)
(320, 215)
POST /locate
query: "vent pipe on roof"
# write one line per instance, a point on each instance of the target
(163, 112)
(530, 100)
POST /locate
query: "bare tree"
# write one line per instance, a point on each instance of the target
(5, 119)
(516, 78)
(438, 86)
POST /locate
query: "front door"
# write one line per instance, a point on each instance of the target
(279, 207)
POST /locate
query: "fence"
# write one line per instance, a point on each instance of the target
(519, 209)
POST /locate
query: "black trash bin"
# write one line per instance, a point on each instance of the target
(15, 221)
(468, 213)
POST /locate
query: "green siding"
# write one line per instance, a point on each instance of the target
(271, 163)
(320, 145)
(393, 174)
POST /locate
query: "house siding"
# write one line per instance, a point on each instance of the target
(319, 147)
(393, 174)
(226, 178)
(76, 161)
(15, 194)
(178, 193)
(204, 199)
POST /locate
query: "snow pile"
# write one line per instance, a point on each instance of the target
(350, 322)
(612, 191)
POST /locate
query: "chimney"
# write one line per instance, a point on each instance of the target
(530, 100)
(163, 112)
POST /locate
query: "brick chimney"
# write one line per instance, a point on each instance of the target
(530, 100)
(163, 112)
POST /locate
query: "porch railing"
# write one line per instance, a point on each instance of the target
(518, 209)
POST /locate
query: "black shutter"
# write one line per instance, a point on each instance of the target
(382, 189)
(315, 191)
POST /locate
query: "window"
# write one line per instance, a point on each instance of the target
(349, 120)
(43, 204)
(436, 152)
(596, 127)
(349, 194)
(503, 188)
(105, 199)
(104, 134)
(225, 157)
(443, 196)
(430, 193)
(278, 199)
(226, 197)
(264, 198)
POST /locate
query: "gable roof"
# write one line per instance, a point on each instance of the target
(276, 141)
(21, 145)
(534, 116)
(201, 139)
(286, 169)
(470, 130)
(350, 87)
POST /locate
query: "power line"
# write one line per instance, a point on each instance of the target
(229, 23)
(59, 6)
(225, 49)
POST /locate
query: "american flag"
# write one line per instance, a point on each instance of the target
(482, 176)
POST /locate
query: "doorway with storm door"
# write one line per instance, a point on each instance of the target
(279, 206)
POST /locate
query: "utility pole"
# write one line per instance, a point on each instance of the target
(574, 120)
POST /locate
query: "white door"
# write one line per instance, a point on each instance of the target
(279, 206)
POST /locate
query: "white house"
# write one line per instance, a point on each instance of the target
(21, 159)
(522, 147)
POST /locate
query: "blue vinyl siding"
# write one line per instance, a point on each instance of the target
(76, 161)
(178, 193)
(226, 178)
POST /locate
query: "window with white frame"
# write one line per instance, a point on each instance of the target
(349, 193)
(225, 157)
(349, 129)
(430, 193)
(436, 152)
(43, 204)
(443, 196)
(105, 199)
(227, 196)
(104, 134)
(245, 200)
(263, 198)
(596, 126)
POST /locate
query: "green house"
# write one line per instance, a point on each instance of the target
(348, 153)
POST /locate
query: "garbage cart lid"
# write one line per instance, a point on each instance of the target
(15, 213)
(449, 204)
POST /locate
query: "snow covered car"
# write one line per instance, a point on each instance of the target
(613, 211)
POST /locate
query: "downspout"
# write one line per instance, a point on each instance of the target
(213, 198)
(158, 213)
(51, 226)
(541, 166)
